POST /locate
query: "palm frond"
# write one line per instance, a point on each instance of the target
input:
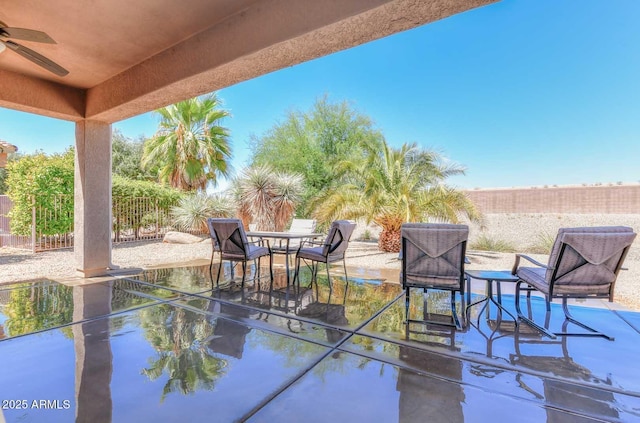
(190, 148)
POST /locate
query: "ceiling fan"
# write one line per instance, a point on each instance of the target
(7, 33)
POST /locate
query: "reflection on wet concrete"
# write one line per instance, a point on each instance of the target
(32, 307)
(169, 347)
(445, 399)
(92, 344)
(587, 376)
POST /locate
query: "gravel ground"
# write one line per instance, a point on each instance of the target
(364, 257)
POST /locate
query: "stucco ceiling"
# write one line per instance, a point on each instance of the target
(128, 57)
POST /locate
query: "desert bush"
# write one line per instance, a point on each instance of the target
(366, 235)
(192, 211)
(543, 244)
(487, 243)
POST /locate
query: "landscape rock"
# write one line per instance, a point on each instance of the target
(173, 237)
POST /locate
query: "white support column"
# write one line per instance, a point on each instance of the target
(92, 193)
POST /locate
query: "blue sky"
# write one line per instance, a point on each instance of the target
(526, 92)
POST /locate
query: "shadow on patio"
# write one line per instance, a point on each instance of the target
(164, 346)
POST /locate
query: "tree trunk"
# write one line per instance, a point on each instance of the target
(389, 241)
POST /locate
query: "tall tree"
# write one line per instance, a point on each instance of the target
(310, 143)
(190, 148)
(126, 155)
(4, 174)
(391, 186)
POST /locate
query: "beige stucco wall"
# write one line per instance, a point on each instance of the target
(609, 199)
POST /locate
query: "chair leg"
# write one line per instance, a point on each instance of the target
(329, 279)
(425, 304)
(407, 298)
(257, 273)
(244, 272)
(218, 277)
(468, 283)
(314, 277)
(271, 269)
(346, 280)
(454, 315)
(211, 266)
(524, 318)
(569, 317)
(545, 330)
(296, 276)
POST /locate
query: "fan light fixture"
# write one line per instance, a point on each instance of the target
(9, 34)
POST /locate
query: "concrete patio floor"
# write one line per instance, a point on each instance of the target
(164, 346)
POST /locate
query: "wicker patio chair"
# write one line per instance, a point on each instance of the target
(298, 226)
(235, 247)
(584, 263)
(330, 251)
(433, 257)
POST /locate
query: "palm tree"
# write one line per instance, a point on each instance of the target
(190, 148)
(267, 198)
(183, 360)
(392, 186)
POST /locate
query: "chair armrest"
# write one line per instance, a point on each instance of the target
(260, 242)
(310, 241)
(526, 257)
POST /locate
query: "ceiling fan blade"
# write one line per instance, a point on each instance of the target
(27, 35)
(37, 58)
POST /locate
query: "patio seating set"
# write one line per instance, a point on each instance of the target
(583, 263)
(229, 238)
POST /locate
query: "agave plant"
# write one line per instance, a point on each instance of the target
(192, 211)
(267, 198)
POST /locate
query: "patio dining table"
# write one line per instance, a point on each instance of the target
(285, 237)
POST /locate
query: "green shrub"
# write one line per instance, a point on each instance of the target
(192, 211)
(486, 243)
(544, 243)
(366, 235)
(45, 182)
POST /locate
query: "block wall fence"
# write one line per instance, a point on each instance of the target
(609, 199)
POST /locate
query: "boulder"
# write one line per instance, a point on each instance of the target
(173, 237)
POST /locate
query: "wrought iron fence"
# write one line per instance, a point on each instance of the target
(52, 223)
(7, 239)
(134, 219)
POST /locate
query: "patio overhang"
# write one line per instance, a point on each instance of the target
(127, 58)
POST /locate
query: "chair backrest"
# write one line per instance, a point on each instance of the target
(230, 234)
(433, 250)
(589, 255)
(212, 233)
(302, 226)
(338, 238)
